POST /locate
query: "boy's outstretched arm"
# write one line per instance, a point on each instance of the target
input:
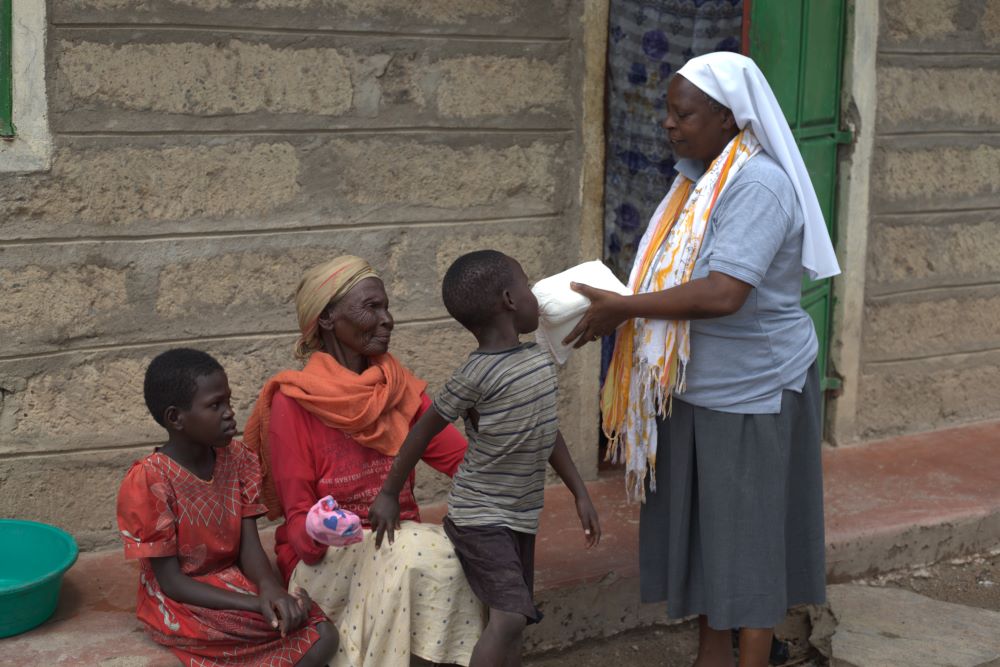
(384, 512)
(562, 463)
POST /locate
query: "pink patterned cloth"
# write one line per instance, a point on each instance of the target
(328, 524)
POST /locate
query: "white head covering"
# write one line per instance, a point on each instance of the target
(736, 82)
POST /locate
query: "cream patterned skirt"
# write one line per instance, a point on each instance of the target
(408, 598)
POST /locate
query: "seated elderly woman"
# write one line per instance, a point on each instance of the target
(334, 428)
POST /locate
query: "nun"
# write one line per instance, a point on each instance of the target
(712, 398)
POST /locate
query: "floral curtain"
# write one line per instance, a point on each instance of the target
(648, 41)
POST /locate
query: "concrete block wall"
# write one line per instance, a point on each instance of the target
(207, 152)
(931, 337)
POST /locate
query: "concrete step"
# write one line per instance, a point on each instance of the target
(912, 500)
(908, 501)
(892, 627)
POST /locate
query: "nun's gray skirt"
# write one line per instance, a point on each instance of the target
(735, 528)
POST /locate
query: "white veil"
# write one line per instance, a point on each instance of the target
(736, 82)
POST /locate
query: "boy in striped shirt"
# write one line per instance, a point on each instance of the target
(506, 392)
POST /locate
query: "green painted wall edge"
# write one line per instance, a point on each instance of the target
(6, 71)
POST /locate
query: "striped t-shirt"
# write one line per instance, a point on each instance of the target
(513, 393)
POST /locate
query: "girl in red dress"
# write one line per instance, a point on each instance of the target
(188, 513)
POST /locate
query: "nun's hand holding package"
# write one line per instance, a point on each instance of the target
(560, 308)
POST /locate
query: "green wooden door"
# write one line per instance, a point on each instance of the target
(798, 44)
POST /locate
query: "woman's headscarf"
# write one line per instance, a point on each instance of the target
(736, 82)
(374, 407)
(321, 285)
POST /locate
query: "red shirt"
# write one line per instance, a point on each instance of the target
(310, 460)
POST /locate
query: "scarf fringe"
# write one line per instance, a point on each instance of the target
(620, 448)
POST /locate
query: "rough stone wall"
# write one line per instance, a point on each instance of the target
(207, 151)
(931, 340)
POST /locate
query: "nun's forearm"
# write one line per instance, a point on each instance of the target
(716, 295)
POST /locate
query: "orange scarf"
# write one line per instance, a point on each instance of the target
(374, 408)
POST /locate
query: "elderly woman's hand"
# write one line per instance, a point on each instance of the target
(606, 312)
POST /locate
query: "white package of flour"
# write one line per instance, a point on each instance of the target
(560, 308)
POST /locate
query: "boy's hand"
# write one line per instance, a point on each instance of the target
(588, 519)
(562, 463)
(384, 516)
(282, 611)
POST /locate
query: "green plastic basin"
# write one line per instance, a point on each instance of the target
(33, 558)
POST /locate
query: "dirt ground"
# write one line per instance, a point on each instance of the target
(973, 581)
(659, 645)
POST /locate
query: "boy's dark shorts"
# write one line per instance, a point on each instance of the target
(499, 564)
